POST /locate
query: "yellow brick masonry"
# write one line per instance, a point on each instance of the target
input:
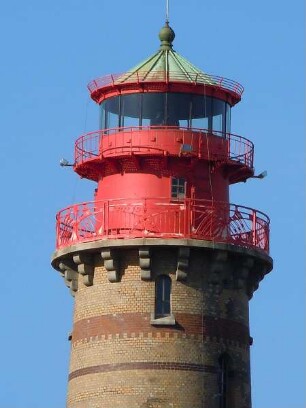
(134, 295)
(133, 389)
(147, 388)
(114, 350)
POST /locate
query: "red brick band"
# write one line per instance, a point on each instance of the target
(128, 325)
(105, 368)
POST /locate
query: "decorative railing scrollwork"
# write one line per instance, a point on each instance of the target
(163, 218)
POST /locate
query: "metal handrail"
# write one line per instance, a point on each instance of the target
(162, 218)
(91, 145)
(161, 76)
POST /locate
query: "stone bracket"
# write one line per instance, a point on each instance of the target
(182, 263)
(145, 263)
(218, 266)
(256, 274)
(242, 272)
(85, 267)
(70, 275)
(111, 264)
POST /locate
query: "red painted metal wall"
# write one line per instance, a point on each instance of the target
(134, 168)
(200, 184)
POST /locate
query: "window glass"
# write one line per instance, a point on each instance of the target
(184, 123)
(102, 116)
(153, 109)
(170, 109)
(145, 122)
(228, 118)
(178, 109)
(201, 112)
(178, 187)
(217, 124)
(111, 107)
(162, 296)
(218, 115)
(130, 110)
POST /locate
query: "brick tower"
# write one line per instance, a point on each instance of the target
(161, 265)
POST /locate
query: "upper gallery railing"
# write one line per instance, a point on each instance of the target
(162, 218)
(162, 76)
(211, 145)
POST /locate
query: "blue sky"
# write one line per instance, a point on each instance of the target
(50, 50)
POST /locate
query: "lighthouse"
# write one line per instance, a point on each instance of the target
(160, 263)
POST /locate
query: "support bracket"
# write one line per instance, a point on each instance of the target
(111, 264)
(145, 263)
(242, 272)
(85, 266)
(218, 265)
(182, 263)
(70, 275)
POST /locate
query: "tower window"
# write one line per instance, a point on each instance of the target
(224, 365)
(178, 187)
(162, 296)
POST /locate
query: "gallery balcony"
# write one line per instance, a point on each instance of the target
(162, 218)
(234, 152)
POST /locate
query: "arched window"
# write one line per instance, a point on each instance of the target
(162, 296)
(224, 389)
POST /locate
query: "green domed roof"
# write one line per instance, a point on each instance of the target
(166, 65)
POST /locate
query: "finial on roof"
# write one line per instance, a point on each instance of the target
(166, 36)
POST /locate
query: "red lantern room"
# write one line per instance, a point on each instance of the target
(164, 158)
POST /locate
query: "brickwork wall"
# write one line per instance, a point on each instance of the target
(118, 359)
(133, 389)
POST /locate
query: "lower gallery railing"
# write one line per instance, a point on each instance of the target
(162, 218)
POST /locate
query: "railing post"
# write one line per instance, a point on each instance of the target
(267, 236)
(75, 229)
(144, 216)
(188, 217)
(254, 237)
(183, 223)
(58, 239)
(229, 146)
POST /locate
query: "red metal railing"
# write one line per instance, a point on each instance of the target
(161, 76)
(162, 218)
(201, 142)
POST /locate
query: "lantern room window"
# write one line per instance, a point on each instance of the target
(155, 109)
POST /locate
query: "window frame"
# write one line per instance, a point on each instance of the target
(178, 183)
(162, 315)
(224, 380)
(163, 296)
